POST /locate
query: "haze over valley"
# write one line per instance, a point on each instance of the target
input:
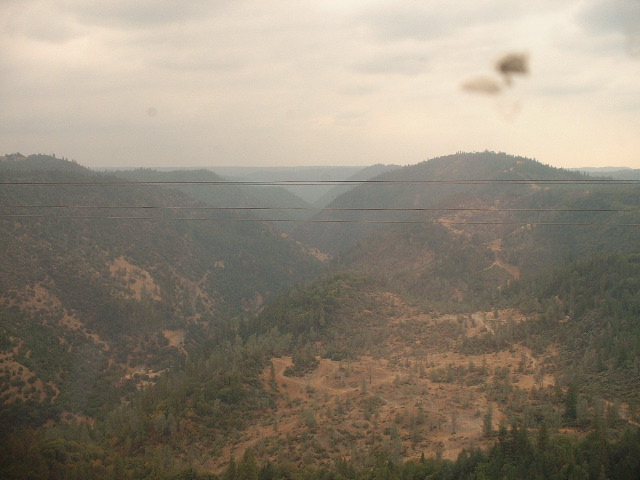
(471, 316)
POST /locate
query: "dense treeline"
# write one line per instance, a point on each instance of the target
(326, 317)
(604, 228)
(592, 308)
(311, 310)
(474, 237)
(216, 392)
(80, 453)
(206, 396)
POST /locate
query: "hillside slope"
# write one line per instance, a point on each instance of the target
(131, 349)
(101, 281)
(365, 174)
(266, 202)
(463, 180)
(466, 224)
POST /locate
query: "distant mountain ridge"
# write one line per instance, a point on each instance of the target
(309, 193)
(19, 162)
(266, 202)
(617, 173)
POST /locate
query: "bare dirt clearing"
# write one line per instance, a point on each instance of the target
(138, 281)
(420, 395)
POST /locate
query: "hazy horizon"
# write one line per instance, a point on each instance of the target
(215, 168)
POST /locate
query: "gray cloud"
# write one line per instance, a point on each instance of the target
(141, 13)
(40, 21)
(430, 20)
(617, 18)
(610, 16)
(393, 24)
(567, 89)
(397, 64)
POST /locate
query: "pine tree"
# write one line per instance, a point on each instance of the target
(571, 403)
(231, 473)
(487, 422)
(247, 468)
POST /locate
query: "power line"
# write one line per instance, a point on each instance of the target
(332, 182)
(240, 219)
(311, 220)
(330, 209)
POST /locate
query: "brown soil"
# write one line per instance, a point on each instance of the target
(137, 280)
(496, 247)
(350, 406)
(175, 338)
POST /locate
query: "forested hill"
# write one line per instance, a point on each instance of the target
(18, 162)
(87, 282)
(149, 227)
(365, 174)
(493, 335)
(462, 180)
(590, 309)
(469, 223)
(266, 202)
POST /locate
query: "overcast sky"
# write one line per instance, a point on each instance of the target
(322, 82)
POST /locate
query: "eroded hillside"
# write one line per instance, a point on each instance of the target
(95, 269)
(415, 390)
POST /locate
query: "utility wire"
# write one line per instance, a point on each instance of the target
(240, 219)
(320, 182)
(330, 209)
(334, 182)
(311, 220)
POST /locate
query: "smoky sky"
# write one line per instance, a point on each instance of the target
(333, 82)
